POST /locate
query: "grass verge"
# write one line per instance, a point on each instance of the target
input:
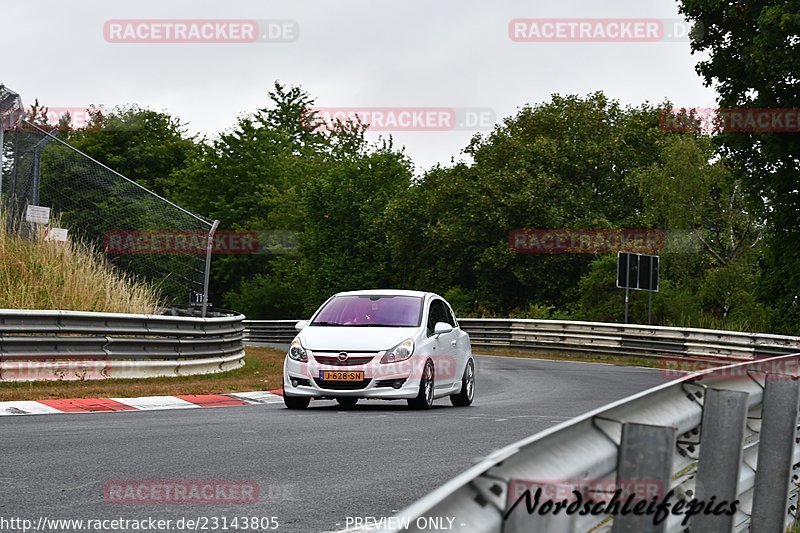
(620, 360)
(262, 371)
(39, 274)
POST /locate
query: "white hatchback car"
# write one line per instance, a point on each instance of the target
(380, 344)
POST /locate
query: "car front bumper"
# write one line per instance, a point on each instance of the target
(389, 381)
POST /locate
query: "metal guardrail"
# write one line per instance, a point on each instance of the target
(272, 331)
(727, 434)
(588, 338)
(626, 339)
(77, 345)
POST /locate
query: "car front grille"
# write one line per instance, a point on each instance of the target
(342, 385)
(333, 360)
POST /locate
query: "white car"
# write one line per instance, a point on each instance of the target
(380, 344)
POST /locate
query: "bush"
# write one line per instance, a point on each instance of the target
(265, 298)
(462, 301)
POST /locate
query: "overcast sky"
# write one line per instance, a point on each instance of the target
(348, 54)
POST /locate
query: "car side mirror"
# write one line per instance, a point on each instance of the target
(442, 327)
(300, 325)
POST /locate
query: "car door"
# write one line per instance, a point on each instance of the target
(443, 346)
(462, 350)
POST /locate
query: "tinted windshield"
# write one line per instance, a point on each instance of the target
(388, 311)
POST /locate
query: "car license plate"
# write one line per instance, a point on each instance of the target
(336, 375)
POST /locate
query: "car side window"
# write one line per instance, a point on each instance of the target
(451, 317)
(436, 313)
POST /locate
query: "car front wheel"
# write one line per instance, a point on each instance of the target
(296, 402)
(424, 399)
(464, 398)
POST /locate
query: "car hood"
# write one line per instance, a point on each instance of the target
(353, 338)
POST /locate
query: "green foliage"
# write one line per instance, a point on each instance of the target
(345, 234)
(560, 164)
(268, 298)
(752, 56)
(143, 145)
(463, 302)
(364, 221)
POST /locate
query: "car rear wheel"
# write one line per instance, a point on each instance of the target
(347, 401)
(424, 399)
(296, 402)
(464, 398)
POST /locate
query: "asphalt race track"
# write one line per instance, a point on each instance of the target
(314, 467)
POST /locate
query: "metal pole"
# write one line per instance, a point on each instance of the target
(12, 194)
(2, 162)
(37, 177)
(627, 295)
(627, 285)
(209, 247)
(650, 294)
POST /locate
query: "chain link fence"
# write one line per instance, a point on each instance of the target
(141, 233)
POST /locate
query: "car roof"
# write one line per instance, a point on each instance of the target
(385, 292)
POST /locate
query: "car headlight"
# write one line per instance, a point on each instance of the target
(297, 352)
(401, 352)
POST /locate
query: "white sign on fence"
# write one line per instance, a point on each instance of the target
(37, 214)
(56, 234)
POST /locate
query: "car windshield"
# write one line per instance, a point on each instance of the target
(373, 310)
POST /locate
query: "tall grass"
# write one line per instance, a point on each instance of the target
(35, 274)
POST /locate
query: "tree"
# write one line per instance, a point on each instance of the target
(556, 165)
(753, 56)
(346, 225)
(713, 229)
(143, 145)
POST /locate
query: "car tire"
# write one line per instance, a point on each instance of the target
(465, 397)
(424, 400)
(296, 402)
(347, 401)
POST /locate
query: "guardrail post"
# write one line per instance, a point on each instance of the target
(207, 272)
(721, 435)
(775, 454)
(644, 468)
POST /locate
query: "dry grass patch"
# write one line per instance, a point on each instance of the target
(35, 274)
(262, 371)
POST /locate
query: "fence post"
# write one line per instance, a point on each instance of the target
(775, 454)
(721, 436)
(2, 158)
(644, 463)
(209, 248)
(37, 164)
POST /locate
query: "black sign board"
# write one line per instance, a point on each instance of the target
(637, 271)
